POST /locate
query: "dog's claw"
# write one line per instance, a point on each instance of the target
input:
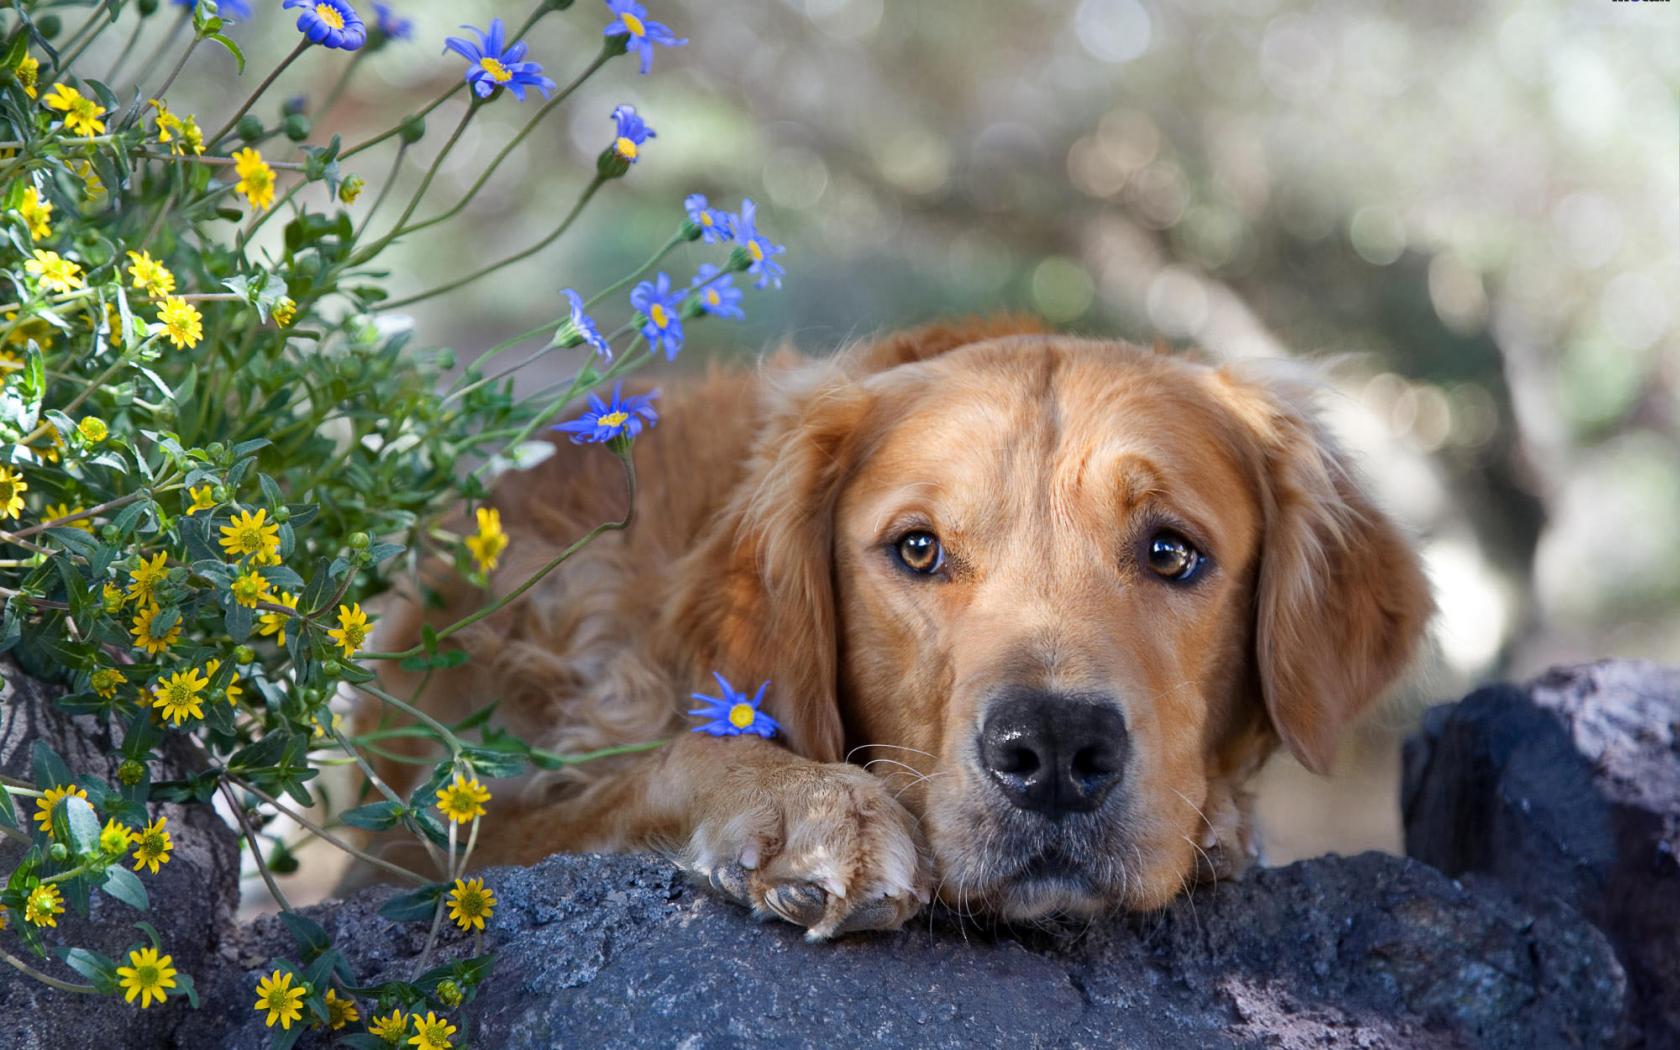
(731, 881)
(801, 903)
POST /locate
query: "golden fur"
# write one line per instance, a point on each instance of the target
(1041, 461)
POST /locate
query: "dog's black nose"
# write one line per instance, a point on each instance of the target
(1054, 754)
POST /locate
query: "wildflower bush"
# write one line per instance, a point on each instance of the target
(213, 456)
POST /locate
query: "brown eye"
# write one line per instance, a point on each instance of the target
(920, 552)
(1172, 557)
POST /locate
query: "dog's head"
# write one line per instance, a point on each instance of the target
(1054, 588)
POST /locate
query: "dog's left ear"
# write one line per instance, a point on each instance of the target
(1341, 601)
(759, 598)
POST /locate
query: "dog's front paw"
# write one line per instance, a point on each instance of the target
(822, 846)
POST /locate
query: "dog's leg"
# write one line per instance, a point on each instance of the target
(822, 845)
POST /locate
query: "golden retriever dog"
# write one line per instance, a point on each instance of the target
(1032, 608)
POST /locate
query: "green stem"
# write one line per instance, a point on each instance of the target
(128, 49)
(337, 91)
(595, 184)
(70, 59)
(531, 125)
(256, 847)
(51, 982)
(425, 184)
(384, 191)
(530, 581)
(450, 740)
(164, 45)
(382, 136)
(395, 869)
(233, 121)
(169, 81)
(653, 261)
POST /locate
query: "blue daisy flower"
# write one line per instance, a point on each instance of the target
(226, 10)
(495, 65)
(755, 251)
(632, 131)
(631, 18)
(661, 309)
(330, 23)
(604, 421)
(732, 714)
(716, 292)
(580, 328)
(713, 223)
(391, 25)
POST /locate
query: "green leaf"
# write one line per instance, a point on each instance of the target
(495, 763)
(375, 816)
(232, 49)
(125, 886)
(417, 906)
(184, 986)
(49, 769)
(100, 971)
(308, 933)
(75, 825)
(74, 540)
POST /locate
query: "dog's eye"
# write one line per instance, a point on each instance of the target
(1172, 557)
(920, 552)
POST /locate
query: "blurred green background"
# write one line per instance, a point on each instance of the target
(1468, 211)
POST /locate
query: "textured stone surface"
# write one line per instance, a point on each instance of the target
(193, 897)
(1568, 788)
(1370, 951)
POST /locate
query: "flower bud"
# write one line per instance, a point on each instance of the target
(58, 851)
(351, 188)
(250, 127)
(413, 130)
(146, 7)
(449, 993)
(298, 127)
(295, 104)
(331, 668)
(611, 164)
(93, 429)
(244, 654)
(215, 450)
(131, 772)
(282, 514)
(219, 493)
(359, 541)
(446, 359)
(559, 5)
(48, 26)
(109, 532)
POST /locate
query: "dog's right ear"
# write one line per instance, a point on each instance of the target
(757, 597)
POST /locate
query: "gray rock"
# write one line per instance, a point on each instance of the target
(1371, 951)
(194, 896)
(1568, 788)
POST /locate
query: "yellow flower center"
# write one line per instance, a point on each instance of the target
(498, 72)
(330, 15)
(755, 251)
(625, 148)
(741, 715)
(659, 316)
(145, 976)
(712, 297)
(705, 218)
(615, 419)
(634, 24)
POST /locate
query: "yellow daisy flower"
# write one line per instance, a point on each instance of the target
(352, 630)
(57, 273)
(144, 579)
(144, 638)
(147, 975)
(391, 1028)
(274, 623)
(12, 488)
(182, 324)
(37, 213)
(202, 498)
(53, 449)
(249, 589)
(55, 511)
(470, 904)
(29, 74)
(93, 430)
(152, 845)
(248, 533)
(283, 1002)
(462, 799)
(234, 690)
(256, 178)
(81, 114)
(43, 906)
(49, 799)
(488, 544)
(149, 275)
(432, 1032)
(112, 597)
(105, 680)
(115, 839)
(177, 695)
(340, 1012)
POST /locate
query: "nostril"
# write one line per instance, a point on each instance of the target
(1094, 763)
(1017, 761)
